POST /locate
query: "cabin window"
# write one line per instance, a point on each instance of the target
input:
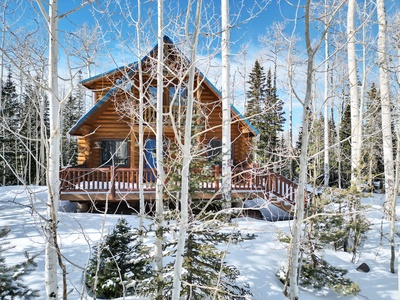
(153, 95)
(215, 152)
(115, 153)
(177, 96)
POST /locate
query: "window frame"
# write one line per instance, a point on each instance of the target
(152, 92)
(181, 93)
(112, 156)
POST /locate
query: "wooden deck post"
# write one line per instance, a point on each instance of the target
(112, 172)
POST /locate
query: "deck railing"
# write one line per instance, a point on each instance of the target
(76, 179)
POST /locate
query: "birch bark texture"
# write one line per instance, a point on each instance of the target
(294, 252)
(297, 228)
(187, 155)
(397, 179)
(326, 106)
(385, 109)
(159, 154)
(53, 182)
(141, 126)
(354, 99)
(226, 106)
(52, 255)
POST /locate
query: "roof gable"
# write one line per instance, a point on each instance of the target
(123, 74)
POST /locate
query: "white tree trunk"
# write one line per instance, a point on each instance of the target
(226, 106)
(142, 210)
(398, 275)
(53, 182)
(187, 158)
(364, 77)
(354, 100)
(52, 255)
(394, 202)
(3, 33)
(386, 109)
(159, 155)
(397, 179)
(294, 253)
(326, 111)
(41, 165)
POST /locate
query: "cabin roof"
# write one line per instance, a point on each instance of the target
(132, 67)
(87, 81)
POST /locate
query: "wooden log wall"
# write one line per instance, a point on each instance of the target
(110, 124)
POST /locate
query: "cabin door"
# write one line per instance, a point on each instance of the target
(150, 154)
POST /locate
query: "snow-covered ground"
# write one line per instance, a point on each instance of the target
(258, 260)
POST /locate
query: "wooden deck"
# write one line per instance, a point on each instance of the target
(122, 184)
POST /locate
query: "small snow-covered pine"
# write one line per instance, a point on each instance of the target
(118, 263)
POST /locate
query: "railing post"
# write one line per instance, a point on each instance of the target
(112, 169)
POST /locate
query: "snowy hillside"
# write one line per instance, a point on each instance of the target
(258, 260)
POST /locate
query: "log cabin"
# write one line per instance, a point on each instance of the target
(108, 136)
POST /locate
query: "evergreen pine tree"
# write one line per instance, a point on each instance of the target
(9, 146)
(30, 131)
(69, 147)
(256, 93)
(318, 273)
(123, 264)
(72, 112)
(206, 273)
(11, 277)
(316, 145)
(339, 221)
(265, 110)
(297, 152)
(333, 156)
(334, 220)
(345, 149)
(372, 152)
(285, 157)
(255, 102)
(272, 122)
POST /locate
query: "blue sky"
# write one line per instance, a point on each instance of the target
(248, 31)
(116, 52)
(245, 33)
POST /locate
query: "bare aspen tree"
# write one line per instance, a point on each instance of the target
(3, 34)
(364, 78)
(296, 241)
(290, 62)
(226, 106)
(186, 151)
(159, 152)
(274, 43)
(85, 44)
(241, 70)
(326, 105)
(386, 105)
(52, 257)
(8, 8)
(394, 200)
(293, 292)
(54, 156)
(354, 100)
(3, 38)
(142, 207)
(397, 162)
